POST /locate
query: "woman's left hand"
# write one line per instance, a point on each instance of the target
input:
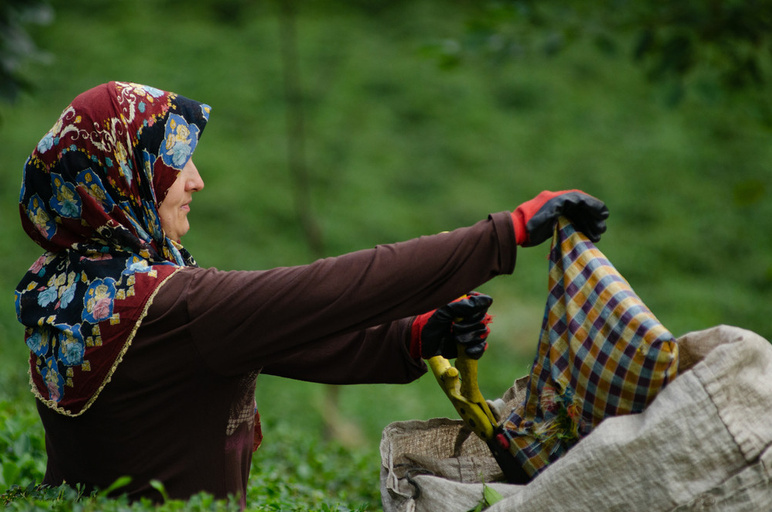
(534, 220)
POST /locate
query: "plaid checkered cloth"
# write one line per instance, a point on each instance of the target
(601, 353)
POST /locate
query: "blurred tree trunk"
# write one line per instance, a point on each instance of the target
(296, 151)
(339, 428)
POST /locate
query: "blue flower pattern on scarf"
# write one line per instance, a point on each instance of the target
(66, 201)
(43, 222)
(98, 301)
(53, 379)
(71, 345)
(38, 342)
(181, 139)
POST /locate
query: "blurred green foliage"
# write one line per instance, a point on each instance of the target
(16, 45)
(398, 146)
(709, 48)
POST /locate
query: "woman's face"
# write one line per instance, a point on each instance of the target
(174, 209)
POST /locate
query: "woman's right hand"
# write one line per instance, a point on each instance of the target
(462, 322)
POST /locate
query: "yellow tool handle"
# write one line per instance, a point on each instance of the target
(467, 368)
(460, 385)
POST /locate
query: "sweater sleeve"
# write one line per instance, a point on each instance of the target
(294, 320)
(368, 356)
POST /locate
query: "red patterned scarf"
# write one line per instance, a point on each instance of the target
(89, 197)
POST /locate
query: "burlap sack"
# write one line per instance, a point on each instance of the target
(702, 444)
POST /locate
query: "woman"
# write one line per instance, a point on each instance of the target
(144, 364)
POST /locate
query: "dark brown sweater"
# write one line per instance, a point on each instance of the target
(180, 406)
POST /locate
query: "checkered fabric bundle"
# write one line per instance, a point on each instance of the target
(601, 353)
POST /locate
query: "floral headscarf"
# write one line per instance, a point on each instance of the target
(89, 197)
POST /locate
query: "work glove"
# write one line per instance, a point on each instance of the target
(535, 220)
(463, 321)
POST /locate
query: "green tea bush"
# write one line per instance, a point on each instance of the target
(64, 498)
(22, 447)
(293, 471)
(297, 471)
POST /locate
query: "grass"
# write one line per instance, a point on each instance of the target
(397, 147)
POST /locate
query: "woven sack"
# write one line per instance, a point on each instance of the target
(704, 443)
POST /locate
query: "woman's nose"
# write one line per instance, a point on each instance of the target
(194, 181)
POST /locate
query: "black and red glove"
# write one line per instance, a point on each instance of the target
(464, 321)
(535, 220)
